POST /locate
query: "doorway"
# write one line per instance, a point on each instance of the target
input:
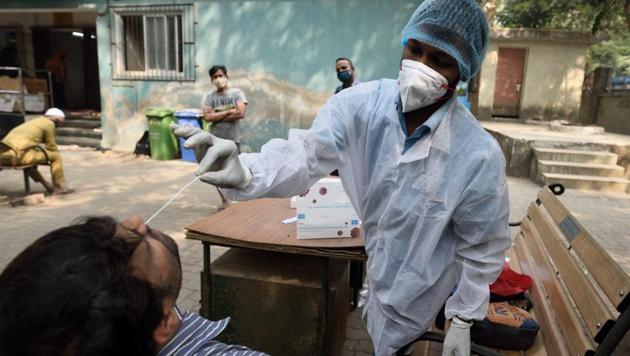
(509, 82)
(71, 55)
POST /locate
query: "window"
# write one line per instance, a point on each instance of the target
(153, 43)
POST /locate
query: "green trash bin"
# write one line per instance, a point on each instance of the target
(161, 139)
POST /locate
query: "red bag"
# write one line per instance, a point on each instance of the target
(510, 283)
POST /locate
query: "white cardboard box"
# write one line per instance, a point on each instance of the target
(325, 211)
(35, 103)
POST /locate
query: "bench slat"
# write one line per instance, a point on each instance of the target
(570, 325)
(538, 348)
(611, 278)
(549, 328)
(593, 309)
(511, 254)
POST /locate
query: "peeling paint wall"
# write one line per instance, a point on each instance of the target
(552, 78)
(281, 53)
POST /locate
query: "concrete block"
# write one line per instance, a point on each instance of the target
(564, 155)
(584, 169)
(587, 182)
(29, 200)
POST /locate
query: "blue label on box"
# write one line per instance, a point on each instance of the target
(301, 216)
(355, 222)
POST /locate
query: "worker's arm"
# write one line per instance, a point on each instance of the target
(481, 226)
(237, 113)
(214, 116)
(285, 168)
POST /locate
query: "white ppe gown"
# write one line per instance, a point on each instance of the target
(435, 218)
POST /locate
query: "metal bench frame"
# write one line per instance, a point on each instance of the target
(26, 168)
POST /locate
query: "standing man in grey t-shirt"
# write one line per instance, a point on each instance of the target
(222, 110)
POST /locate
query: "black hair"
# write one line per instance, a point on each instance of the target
(216, 68)
(174, 283)
(345, 59)
(71, 293)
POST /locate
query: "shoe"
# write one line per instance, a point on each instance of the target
(62, 191)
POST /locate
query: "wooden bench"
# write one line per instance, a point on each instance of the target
(580, 295)
(26, 168)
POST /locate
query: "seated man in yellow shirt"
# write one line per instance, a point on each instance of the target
(17, 149)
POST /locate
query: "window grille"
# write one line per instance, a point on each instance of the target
(153, 42)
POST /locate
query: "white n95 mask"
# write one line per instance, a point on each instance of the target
(220, 82)
(420, 85)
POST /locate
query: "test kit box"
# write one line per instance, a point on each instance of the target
(325, 211)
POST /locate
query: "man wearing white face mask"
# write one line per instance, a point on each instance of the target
(425, 178)
(222, 109)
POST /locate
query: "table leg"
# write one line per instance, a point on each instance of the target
(356, 280)
(325, 320)
(206, 283)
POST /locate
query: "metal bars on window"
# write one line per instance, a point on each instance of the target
(153, 42)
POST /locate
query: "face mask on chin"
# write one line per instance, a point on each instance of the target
(420, 86)
(220, 82)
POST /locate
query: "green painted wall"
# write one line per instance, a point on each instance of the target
(281, 53)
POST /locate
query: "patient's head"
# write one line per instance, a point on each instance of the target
(92, 288)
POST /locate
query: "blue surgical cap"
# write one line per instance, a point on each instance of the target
(457, 27)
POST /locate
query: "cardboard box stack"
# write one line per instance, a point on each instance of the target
(35, 94)
(325, 211)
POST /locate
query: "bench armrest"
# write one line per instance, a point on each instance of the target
(556, 189)
(40, 148)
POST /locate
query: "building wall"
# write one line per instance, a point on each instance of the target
(553, 76)
(281, 53)
(614, 112)
(24, 21)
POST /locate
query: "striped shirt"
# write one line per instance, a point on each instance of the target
(195, 337)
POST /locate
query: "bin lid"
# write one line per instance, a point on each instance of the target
(188, 113)
(158, 112)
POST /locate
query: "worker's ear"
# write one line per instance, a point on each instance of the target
(167, 327)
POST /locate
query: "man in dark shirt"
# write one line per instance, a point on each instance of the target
(345, 74)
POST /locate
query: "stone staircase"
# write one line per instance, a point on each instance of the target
(579, 169)
(80, 130)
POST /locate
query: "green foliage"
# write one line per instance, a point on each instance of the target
(603, 18)
(578, 15)
(613, 53)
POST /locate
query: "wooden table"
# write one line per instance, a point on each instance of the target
(257, 224)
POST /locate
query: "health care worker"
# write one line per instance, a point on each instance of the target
(425, 178)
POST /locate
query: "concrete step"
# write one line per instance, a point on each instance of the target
(79, 141)
(562, 155)
(615, 184)
(82, 123)
(79, 132)
(83, 117)
(584, 169)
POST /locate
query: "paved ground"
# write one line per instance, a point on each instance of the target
(120, 185)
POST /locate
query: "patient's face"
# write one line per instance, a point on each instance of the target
(156, 259)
